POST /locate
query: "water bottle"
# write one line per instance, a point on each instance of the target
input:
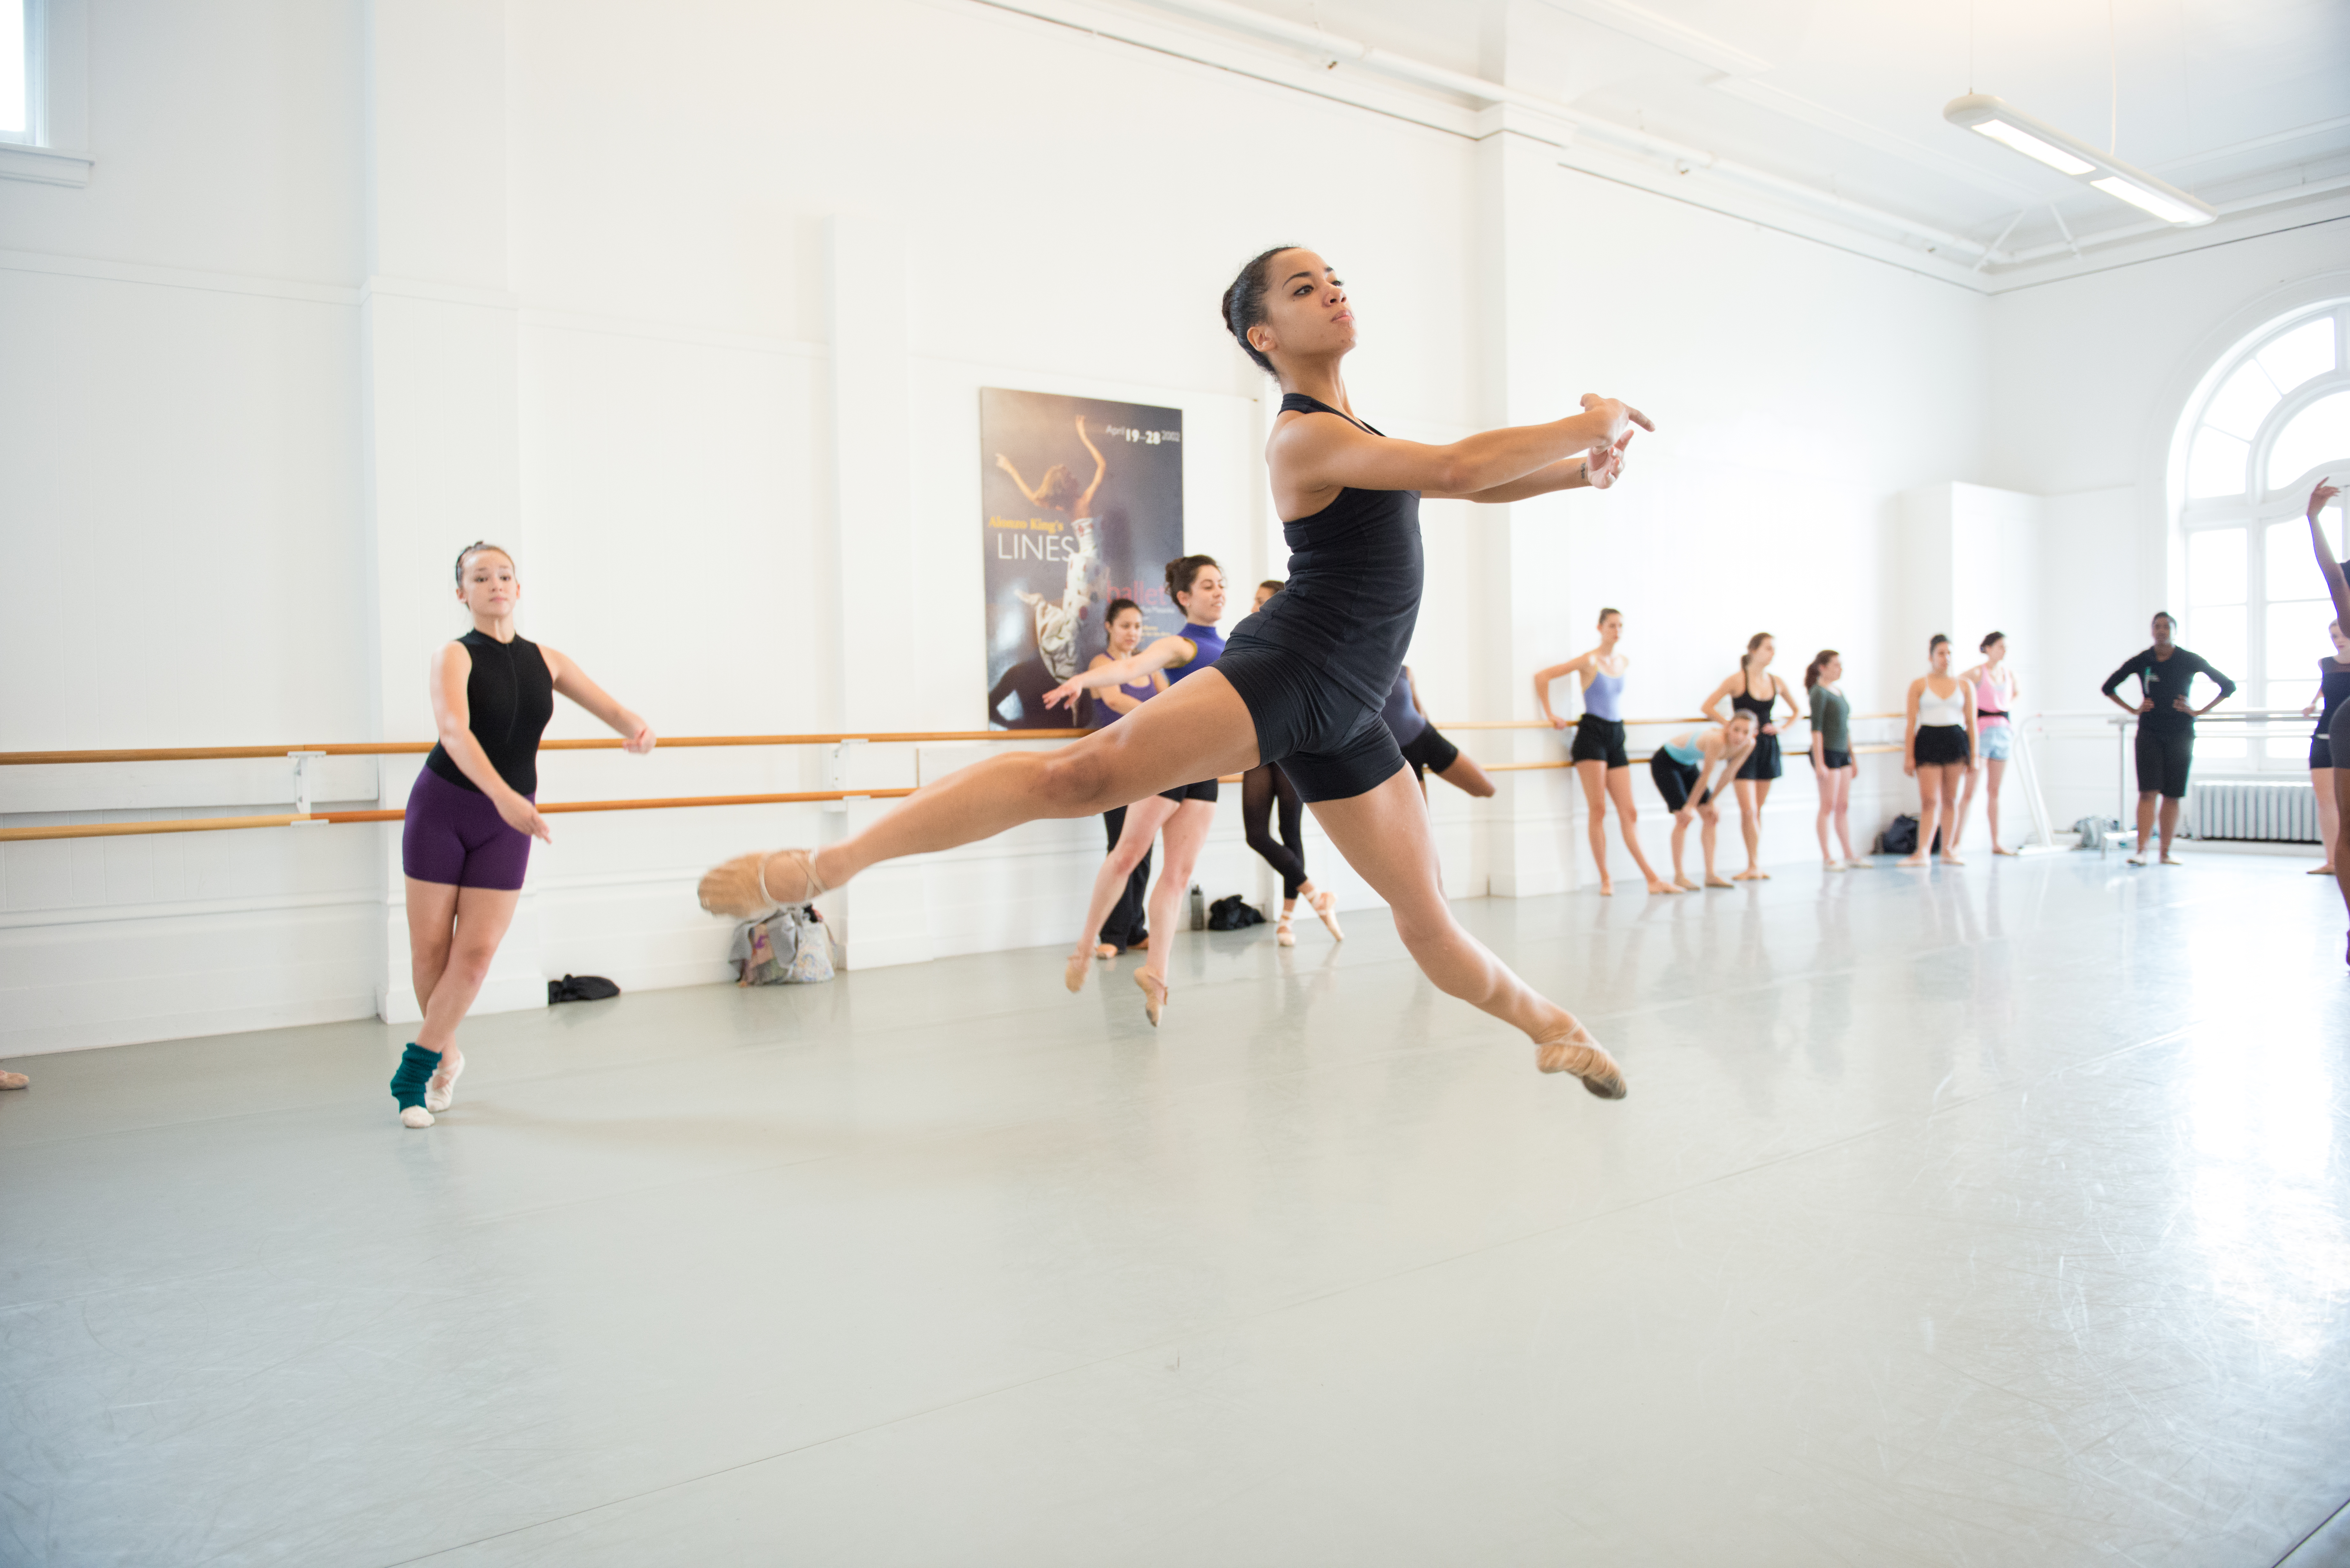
(1199, 909)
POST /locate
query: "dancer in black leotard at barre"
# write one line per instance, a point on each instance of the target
(1124, 927)
(2337, 734)
(1302, 680)
(1263, 788)
(1753, 690)
(1181, 815)
(2333, 688)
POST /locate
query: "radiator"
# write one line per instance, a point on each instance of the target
(2285, 813)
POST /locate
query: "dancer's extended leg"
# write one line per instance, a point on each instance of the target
(1386, 837)
(1142, 823)
(1628, 818)
(1199, 729)
(1185, 832)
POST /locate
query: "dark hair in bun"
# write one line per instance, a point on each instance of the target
(1244, 304)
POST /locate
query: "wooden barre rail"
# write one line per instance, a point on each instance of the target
(224, 823)
(1642, 757)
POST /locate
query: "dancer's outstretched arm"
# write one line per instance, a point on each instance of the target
(572, 682)
(1165, 653)
(1084, 507)
(1310, 456)
(2334, 584)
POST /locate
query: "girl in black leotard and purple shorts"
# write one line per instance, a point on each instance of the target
(465, 842)
(1302, 683)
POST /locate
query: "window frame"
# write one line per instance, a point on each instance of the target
(37, 96)
(2254, 509)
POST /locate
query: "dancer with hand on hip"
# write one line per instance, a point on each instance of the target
(1597, 752)
(1302, 680)
(1753, 690)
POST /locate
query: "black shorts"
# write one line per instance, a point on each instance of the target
(1429, 752)
(2163, 761)
(1598, 739)
(2321, 752)
(1939, 746)
(1331, 743)
(1674, 779)
(1831, 759)
(1762, 763)
(1204, 790)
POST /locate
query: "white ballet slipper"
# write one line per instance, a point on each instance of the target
(416, 1117)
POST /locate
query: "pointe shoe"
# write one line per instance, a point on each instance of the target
(1073, 973)
(739, 888)
(1577, 1053)
(416, 1117)
(1285, 935)
(1325, 904)
(441, 1089)
(1154, 994)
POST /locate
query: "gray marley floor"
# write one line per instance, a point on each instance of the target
(1996, 1218)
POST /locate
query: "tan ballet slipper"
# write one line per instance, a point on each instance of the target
(1577, 1053)
(739, 888)
(1154, 994)
(1325, 904)
(1073, 972)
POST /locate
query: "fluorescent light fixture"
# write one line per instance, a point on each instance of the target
(2031, 146)
(2037, 139)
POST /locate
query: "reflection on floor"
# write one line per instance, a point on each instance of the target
(1997, 1217)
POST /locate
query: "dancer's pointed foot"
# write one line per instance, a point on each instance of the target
(1856, 864)
(1577, 1053)
(1659, 886)
(1713, 881)
(1683, 883)
(750, 887)
(416, 1117)
(1606, 887)
(1325, 904)
(1154, 994)
(2135, 860)
(1998, 849)
(1831, 865)
(1751, 874)
(441, 1089)
(2170, 859)
(1285, 935)
(1073, 972)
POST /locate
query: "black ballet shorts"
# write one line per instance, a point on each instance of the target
(2321, 752)
(1940, 746)
(1429, 752)
(1673, 779)
(1204, 790)
(1762, 763)
(1831, 759)
(1598, 739)
(1331, 743)
(2163, 761)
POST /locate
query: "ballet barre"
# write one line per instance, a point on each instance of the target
(1642, 757)
(601, 743)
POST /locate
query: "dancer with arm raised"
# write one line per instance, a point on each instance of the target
(1302, 684)
(2338, 732)
(1598, 754)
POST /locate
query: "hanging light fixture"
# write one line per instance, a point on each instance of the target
(2037, 139)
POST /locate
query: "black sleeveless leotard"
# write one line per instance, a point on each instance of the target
(1317, 663)
(509, 698)
(2333, 689)
(1763, 761)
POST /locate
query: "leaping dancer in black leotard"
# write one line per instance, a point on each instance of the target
(1300, 682)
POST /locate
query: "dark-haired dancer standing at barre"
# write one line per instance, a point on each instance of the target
(1265, 791)
(1753, 690)
(1303, 681)
(1598, 753)
(2338, 732)
(1180, 816)
(1123, 928)
(464, 843)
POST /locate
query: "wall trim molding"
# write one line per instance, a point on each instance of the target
(92, 267)
(45, 165)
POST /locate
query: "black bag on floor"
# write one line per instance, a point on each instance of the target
(1233, 913)
(1902, 838)
(580, 988)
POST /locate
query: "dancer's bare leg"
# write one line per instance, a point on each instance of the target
(1752, 795)
(1708, 838)
(1681, 838)
(1844, 777)
(2340, 848)
(1594, 777)
(1628, 818)
(1966, 801)
(1951, 777)
(1199, 729)
(2170, 804)
(1181, 842)
(1994, 770)
(2146, 804)
(471, 923)
(1463, 774)
(1142, 821)
(1929, 810)
(1385, 837)
(2329, 815)
(1827, 784)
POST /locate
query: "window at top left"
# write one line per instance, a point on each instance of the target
(19, 99)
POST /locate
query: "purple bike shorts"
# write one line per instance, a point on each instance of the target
(456, 838)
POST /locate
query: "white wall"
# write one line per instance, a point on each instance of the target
(214, 406)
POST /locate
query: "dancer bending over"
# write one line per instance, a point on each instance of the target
(1996, 692)
(1264, 788)
(2166, 726)
(1832, 763)
(1303, 683)
(465, 841)
(2333, 686)
(1684, 770)
(1754, 690)
(2337, 732)
(1598, 754)
(1124, 927)
(1424, 746)
(1181, 815)
(1939, 746)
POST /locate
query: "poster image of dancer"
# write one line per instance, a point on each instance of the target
(1081, 501)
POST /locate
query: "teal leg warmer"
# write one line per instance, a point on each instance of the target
(416, 1067)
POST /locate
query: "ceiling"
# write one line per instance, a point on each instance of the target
(2229, 99)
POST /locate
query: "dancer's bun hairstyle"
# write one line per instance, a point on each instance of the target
(1183, 571)
(476, 548)
(1244, 304)
(1937, 641)
(1985, 646)
(1604, 613)
(1757, 641)
(1819, 662)
(1116, 608)
(1272, 585)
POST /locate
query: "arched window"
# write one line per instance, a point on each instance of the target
(2272, 416)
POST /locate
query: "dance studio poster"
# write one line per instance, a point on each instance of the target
(1081, 501)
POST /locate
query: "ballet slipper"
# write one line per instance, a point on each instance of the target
(1996, 849)
(739, 888)
(2173, 860)
(13, 1080)
(1154, 994)
(1713, 881)
(1749, 875)
(1073, 972)
(1911, 860)
(1325, 904)
(1105, 951)
(1683, 883)
(1856, 864)
(1577, 1053)
(416, 1117)
(1141, 946)
(1658, 886)
(2315, 871)
(1832, 866)
(1284, 933)
(441, 1089)
(1952, 860)
(2133, 860)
